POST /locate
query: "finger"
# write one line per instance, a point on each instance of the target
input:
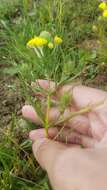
(41, 133)
(84, 96)
(45, 84)
(29, 112)
(71, 137)
(97, 126)
(79, 123)
(46, 152)
(66, 136)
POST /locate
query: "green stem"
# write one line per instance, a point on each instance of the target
(37, 52)
(87, 109)
(41, 51)
(47, 115)
(74, 114)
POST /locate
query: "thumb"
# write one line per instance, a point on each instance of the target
(46, 152)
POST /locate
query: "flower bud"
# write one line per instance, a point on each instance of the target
(94, 28)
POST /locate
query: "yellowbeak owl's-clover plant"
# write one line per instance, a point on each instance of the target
(45, 45)
(46, 48)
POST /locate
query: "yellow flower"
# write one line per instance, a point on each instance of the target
(57, 40)
(37, 41)
(50, 45)
(103, 6)
(105, 14)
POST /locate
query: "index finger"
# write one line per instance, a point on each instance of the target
(82, 95)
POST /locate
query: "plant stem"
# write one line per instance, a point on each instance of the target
(47, 115)
(74, 114)
(37, 52)
(41, 51)
(87, 109)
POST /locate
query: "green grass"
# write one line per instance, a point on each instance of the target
(20, 21)
(74, 25)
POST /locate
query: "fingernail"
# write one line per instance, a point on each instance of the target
(29, 112)
(43, 83)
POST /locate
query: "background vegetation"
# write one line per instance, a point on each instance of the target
(78, 57)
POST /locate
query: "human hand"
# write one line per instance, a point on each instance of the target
(71, 167)
(89, 129)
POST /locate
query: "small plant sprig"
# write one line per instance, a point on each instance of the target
(44, 45)
(41, 44)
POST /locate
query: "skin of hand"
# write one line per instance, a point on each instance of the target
(70, 166)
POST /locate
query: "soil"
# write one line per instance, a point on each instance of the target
(100, 81)
(11, 100)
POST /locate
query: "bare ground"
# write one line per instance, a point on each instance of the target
(10, 99)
